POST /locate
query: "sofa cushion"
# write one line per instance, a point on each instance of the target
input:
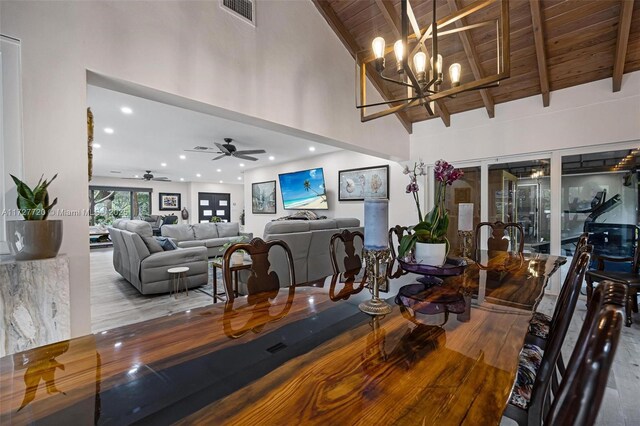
(152, 244)
(192, 243)
(322, 224)
(166, 244)
(178, 232)
(140, 227)
(217, 242)
(530, 359)
(285, 227)
(347, 222)
(204, 231)
(231, 229)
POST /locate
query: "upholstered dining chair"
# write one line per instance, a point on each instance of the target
(580, 394)
(503, 237)
(538, 366)
(397, 231)
(630, 278)
(352, 260)
(261, 278)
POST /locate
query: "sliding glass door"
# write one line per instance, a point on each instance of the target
(110, 203)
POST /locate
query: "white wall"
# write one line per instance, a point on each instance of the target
(402, 210)
(237, 198)
(589, 114)
(290, 69)
(188, 194)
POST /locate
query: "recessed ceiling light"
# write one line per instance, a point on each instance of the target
(163, 164)
(221, 181)
(241, 164)
(183, 157)
(136, 176)
(181, 179)
(108, 130)
(97, 145)
(218, 170)
(198, 175)
(312, 148)
(126, 110)
(239, 177)
(271, 157)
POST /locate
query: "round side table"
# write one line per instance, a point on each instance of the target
(178, 276)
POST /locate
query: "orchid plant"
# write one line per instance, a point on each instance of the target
(432, 227)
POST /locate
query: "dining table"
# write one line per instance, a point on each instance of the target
(446, 354)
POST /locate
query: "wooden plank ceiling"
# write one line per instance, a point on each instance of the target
(555, 44)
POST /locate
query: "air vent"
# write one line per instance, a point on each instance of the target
(244, 9)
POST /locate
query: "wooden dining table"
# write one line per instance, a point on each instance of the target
(301, 355)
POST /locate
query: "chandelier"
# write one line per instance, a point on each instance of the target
(415, 69)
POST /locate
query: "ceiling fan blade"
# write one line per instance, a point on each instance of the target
(252, 151)
(219, 157)
(245, 157)
(202, 151)
(163, 179)
(223, 148)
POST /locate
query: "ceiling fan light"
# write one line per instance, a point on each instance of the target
(455, 70)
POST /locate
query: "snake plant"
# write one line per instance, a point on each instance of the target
(34, 203)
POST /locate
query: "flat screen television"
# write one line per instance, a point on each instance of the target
(303, 190)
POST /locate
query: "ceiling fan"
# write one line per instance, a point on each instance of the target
(227, 149)
(148, 176)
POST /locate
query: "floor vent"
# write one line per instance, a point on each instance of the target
(244, 9)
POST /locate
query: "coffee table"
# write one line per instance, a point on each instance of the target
(217, 262)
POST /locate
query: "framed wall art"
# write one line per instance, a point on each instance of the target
(263, 197)
(366, 182)
(169, 201)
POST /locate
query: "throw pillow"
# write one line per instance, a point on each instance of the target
(166, 243)
(152, 245)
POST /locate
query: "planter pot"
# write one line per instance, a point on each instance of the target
(430, 254)
(237, 258)
(34, 239)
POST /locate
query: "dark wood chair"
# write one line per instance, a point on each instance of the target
(399, 232)
(537, 366)
(630, 279)
(352, 261)
(261, 279)
(503, 237)
(580, 394)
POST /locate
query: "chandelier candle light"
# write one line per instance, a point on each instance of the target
(376, 252)
(414, 65)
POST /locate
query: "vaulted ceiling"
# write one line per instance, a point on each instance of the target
(555, 44)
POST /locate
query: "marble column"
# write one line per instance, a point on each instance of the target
(34, 303)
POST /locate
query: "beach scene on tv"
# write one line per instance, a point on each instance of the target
(304, 190)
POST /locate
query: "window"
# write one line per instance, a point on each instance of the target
(110, 203)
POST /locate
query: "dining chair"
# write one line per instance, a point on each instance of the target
(352, 261)
(537, 367)
(617, 273)
(503, 237)
(397, 231)
(579, 396)
(261, 278)
(540, 323)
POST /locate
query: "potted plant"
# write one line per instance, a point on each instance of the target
(34, 237)
(215, 219)
(237, 257)
(429, 241)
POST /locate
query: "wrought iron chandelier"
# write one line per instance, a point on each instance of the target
(423, 77)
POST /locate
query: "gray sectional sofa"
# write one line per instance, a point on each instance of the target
(309, 243)
(147, 271)
(212, 236)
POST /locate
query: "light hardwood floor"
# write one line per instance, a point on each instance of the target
(115, 302)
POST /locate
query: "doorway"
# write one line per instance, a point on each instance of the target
(212, 204)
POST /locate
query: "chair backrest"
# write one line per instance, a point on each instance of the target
(399, 232)
(170, 220)
(580, 394)
(503, 237)
(352, 260)
(566, 305)
(261, 279)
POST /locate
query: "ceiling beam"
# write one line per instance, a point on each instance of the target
(624, 27)
(474, 60)
(391, 16)
(538, 37)
(352, 46)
